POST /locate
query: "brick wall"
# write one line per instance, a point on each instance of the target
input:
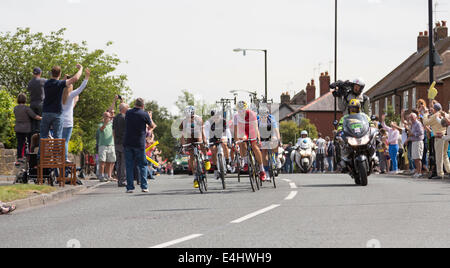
(7, 160)
(323, 121)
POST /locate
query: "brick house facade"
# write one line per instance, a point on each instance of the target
(409, 82)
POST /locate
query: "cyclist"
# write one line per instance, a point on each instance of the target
(270, 134)
(246, 128)
(193, 132)
(216, 129)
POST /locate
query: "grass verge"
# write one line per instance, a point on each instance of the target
(15, 192)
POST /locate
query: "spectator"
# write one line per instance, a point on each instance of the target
(52, 107)
(68, 102)
(330, 154)
(289, 165)
(321, 153)
(119, 126)
(393, 137)
(137, 121)
(36, 90)
(4, 210)
(23, 128)
(417, 136)
(384, 166)
(440, 146)
(106, 152)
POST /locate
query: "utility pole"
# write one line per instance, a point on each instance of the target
(431, 41)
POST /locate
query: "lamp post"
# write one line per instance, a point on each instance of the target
(335, 53)
(265, 64)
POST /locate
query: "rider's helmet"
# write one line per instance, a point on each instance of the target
(214, 112)
(304, 132)
(264, 111)
(242, 106)
(358, 82)
(354, 107)
(189, 111)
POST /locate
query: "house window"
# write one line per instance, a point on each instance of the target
(393, 102)
(406, 100)
(377, 108)
(386, 105)
(414, 98)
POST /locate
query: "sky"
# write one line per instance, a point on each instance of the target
(176, 45)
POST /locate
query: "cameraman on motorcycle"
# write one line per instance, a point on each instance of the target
(347, 91)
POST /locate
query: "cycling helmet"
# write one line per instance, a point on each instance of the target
(242, 106)
(189, 111)
(264, 111)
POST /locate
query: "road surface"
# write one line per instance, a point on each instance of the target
(323, 210)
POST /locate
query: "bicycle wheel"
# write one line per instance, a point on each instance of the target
(221, 170)
(252, 172)
(272, 168)
(200, 175)
(237, 158)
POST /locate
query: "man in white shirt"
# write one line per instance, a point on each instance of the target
(321, 151)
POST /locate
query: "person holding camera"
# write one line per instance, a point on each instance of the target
(346, 91)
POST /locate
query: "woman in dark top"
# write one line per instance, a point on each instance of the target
(24, 115)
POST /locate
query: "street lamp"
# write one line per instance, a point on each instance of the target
(244, 51)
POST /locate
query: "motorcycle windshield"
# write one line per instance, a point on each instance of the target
(356, 125)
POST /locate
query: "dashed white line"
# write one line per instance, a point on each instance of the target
(293, 185)
(177, 241)
(291, 195)
(254, 214)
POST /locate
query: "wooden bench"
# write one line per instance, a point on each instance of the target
(53, 155)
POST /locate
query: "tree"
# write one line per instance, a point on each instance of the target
(391, 116)
(188, 99)
(289, 131)
(305, 124)
(22, 51)
(163, 134)
(7, 119)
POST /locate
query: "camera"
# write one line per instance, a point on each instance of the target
(343, 88)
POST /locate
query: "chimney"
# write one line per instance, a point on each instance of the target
(325, 81)
(441, 30)
(285, 98)
(422, 41)
(310, 92)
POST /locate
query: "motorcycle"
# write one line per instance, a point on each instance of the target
(358, 143)
(304, 156)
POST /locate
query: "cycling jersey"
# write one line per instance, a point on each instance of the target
(267, 128)
(246, 123)
(192, 128)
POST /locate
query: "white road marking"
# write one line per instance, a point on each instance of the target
(291, 195)
(177, 241)
(293, 185)
(254, 214)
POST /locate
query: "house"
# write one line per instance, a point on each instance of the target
(288, 105)
(409, 82)
(319, 111)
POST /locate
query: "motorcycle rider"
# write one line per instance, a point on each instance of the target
(353, 107)
(304, 139)
(347, 91)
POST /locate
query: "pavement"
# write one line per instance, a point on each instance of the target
(319, 210)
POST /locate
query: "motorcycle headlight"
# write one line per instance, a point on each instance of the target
(359, 142)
